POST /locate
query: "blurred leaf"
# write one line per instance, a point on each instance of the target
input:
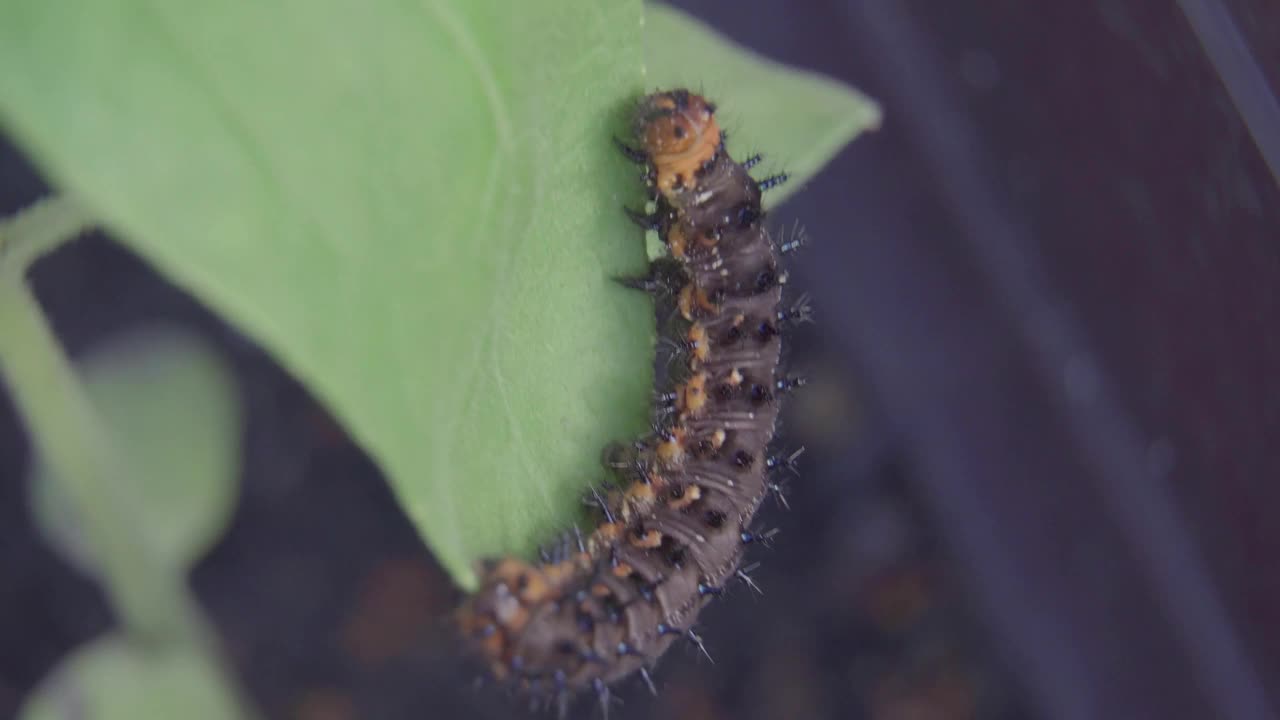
(172, 408)
(414, 206)
(110, 679)
(798, 119)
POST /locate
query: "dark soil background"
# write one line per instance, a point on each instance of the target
(1041, 459)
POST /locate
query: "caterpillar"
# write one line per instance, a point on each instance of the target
(672, 535)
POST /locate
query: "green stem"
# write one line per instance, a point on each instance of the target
(67, 434)
(155, 606)
(39, 229)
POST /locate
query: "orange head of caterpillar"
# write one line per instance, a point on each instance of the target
(679, 134)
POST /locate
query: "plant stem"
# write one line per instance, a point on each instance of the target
(67, 434)
(155, 606)
(39, 229)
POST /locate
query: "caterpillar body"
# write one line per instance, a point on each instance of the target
(672, 535)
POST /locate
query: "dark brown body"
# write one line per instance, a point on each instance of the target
(674, 536)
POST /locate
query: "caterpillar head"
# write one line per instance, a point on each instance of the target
(679, 134)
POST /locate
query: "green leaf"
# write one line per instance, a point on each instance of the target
(111, 679)
(798, 119)
(173, 411)
(412, 205)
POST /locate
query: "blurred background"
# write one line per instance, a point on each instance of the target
(1041, 438)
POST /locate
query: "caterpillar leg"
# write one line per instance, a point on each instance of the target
(639, 157)
(648, 222)
(664, 279)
